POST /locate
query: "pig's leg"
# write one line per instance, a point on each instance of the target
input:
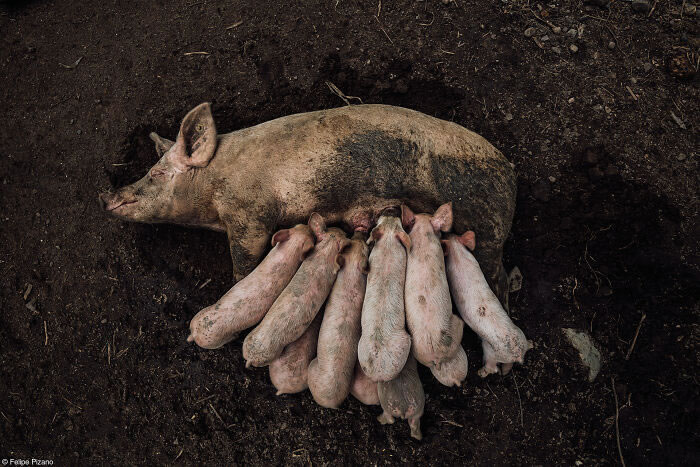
(414, 423)
(505, 368)
(490, 363)
(385, 418)
(247, 243)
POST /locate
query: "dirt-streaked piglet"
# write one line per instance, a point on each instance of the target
(247, 302)
(289, 371)
(300, 301)
(403, 397)
(452, 371)
(435, 331)
(331, 372)
(364, 389)
(502, 341)
(385, 344)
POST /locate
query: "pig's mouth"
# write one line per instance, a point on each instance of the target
(112, 203)
(121, 204)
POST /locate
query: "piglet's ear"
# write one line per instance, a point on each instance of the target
(196, 142)
(317, 225)
(163, 145)
(281, 236)
(442, 219)
(468, 239)
(339, 263)
(374, 236)
(445, 247)
(405, 239)
(307, 246)
(407, 217)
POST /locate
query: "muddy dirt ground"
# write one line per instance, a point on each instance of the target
(595, 103)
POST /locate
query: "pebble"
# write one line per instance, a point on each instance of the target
(552, 179)
(611, 45)
(509, 116)
(80, 132)
(680, 157)
(556, 30)
(573, 48)
(690, 9)
(572, 32)
(544, 38)
(571, 100)
(445, 2)
(529, 32)
(556, 50)
(647, 67)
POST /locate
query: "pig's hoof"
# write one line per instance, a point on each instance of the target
(385, 418)
(485, 371)
(416, 434)
(190, 338)
(505, 368)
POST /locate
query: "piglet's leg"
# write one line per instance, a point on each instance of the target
(505, 368)
(490, 364)
(414, 423)
(385, 418)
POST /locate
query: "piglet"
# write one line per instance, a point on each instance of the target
(403, 397)
(248, 301)
(385, 344)
(452, 371)
(289, 371)
(502, 341)
(300, 301)
(364, 389)
(435, 331)
(331, 372)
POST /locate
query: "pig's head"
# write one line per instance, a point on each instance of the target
(441, 221)
(389, 225)
(467, 239)
(170, 191)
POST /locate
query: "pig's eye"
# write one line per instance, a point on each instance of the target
(157, 173)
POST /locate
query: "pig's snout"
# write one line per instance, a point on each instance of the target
(111, 201)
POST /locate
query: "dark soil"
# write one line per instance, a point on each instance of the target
(94, 365)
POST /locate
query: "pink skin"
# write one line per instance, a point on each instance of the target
(452, 371)
(247, 302)
(384, 345)
(364, 389)
(502, 341)
(331, 372)
(403, 397)
(301, 300)
(435, 331)
(289, 371)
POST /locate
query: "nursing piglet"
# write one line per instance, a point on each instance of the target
(331, 372)
(385, 344)
(247, 302)
(403, 397)
(300, 301)
(289, 371)
(435, 331)
(502, 341)
(364, 389)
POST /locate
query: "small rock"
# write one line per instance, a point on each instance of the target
(572, 32)
(80, 132)
(690, 10)
(446, 2)
(647, 67)
(608, 109)
(573, 48)
(556, 50)
(552, 179)
(509, 116)
(640, 6)
(680, 157)
(589, 354)
(571, 100)
(611, 45)
(544, 38)
(633, 80)
(598, 107)
(515, 280)
(556, 30)
(529, 32)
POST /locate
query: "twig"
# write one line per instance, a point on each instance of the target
(519, 400)
(652, 9)
(196, 53)
(205, 399)
(109, 354)
(379, 9)
(450, 422)
(634, 341)
(334, 89)
(617, 424)
(70, 67)
(487, 385)
(179, 454)
(74, 405)
(234, 25)
(205, 283)
(46, 335)
(217, 414)
(634, 96)
(382, 28)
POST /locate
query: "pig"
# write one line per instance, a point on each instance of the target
(452, 371)
(301, 300)
(289, 371)
(502, 341)
(364, 389)
(384, 344)
(331, 372)
(247, 302)
(347, 164)
(403, 397)
(436, 332)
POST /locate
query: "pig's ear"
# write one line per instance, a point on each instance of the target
(317, 225)
(279, 237)
(339, 263)
(307, 246)
(196, 142)
(468, 239)
(405, 239)
(445, 247)
(374, 236)
(442, 219)
(163, 145)
(407, 217)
